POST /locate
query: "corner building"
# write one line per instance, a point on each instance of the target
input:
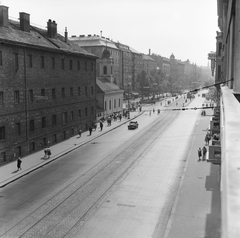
(47, 87)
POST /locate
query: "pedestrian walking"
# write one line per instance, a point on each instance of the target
(199, 154)
(101, 125)
(120, 117)
(80, 132)
(204, 150)
(45, 153)
(90, 130)
(19, 161)
(207, 138)
(48, 152)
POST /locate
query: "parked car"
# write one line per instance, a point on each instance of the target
(132, 125)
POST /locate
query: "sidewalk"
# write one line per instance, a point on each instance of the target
(9, 173)
(197, 208)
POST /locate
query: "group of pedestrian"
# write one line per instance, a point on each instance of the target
(207, 138)
(202, 153)
(47, 153)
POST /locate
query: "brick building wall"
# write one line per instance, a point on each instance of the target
(47, 96)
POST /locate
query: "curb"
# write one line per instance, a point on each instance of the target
(43, 163)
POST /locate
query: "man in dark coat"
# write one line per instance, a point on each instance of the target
(90, 130)
(19, 161)
(101, 125)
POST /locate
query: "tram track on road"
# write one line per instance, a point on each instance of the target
(70, 207)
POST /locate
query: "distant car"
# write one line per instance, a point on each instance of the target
(132, 125)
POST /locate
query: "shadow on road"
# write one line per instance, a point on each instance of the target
(213, 221)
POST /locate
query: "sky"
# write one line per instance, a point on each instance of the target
(186, 28)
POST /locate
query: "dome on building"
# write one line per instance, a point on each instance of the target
(106, 54)
(172, 57)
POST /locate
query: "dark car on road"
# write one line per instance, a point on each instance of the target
(132, 125)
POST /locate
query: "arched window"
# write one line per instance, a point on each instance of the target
(104, 69)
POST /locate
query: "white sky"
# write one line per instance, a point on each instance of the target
(186, 28)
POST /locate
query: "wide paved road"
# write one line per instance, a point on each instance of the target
(106, 188)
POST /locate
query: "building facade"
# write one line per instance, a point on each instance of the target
(96, 44)
(47, 87)
(227, 68)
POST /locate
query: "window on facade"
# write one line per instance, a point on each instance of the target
(70, 64)
(63, 92)
(30, 95)
(1, 98)
(105, 105)
(110, 104)
(3, 156)
(92, 68)
(71, 116)
(115, 103)
(79, 91)
(54, 138)
(92, 90)
(53, 63)
(42, 62)
(104, 69)
(92, 110)
(32, 146)
(111, 70)
(78, 65)
(18, 128)
(19, 151)
(54, 120)
(1, 59)
(86, 66)
(62, 63)
(53, 93)
(30, 63)
(16, 97)
(31, 128)
(86, 111)
(2, 132)
(44, 141)
(79, 113)
(16, 60)
(71, 92)
(64, 118)
(86, 91)
(219, 48)
(219, 71)
(43, 92)
(43, 122)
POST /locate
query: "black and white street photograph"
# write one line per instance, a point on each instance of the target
(119, 119)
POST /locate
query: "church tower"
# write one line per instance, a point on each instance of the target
(106, 66)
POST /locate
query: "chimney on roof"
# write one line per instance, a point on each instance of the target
(149, 52)
(4, 16)
(51, 28)
(24, 21)
(66, 35)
